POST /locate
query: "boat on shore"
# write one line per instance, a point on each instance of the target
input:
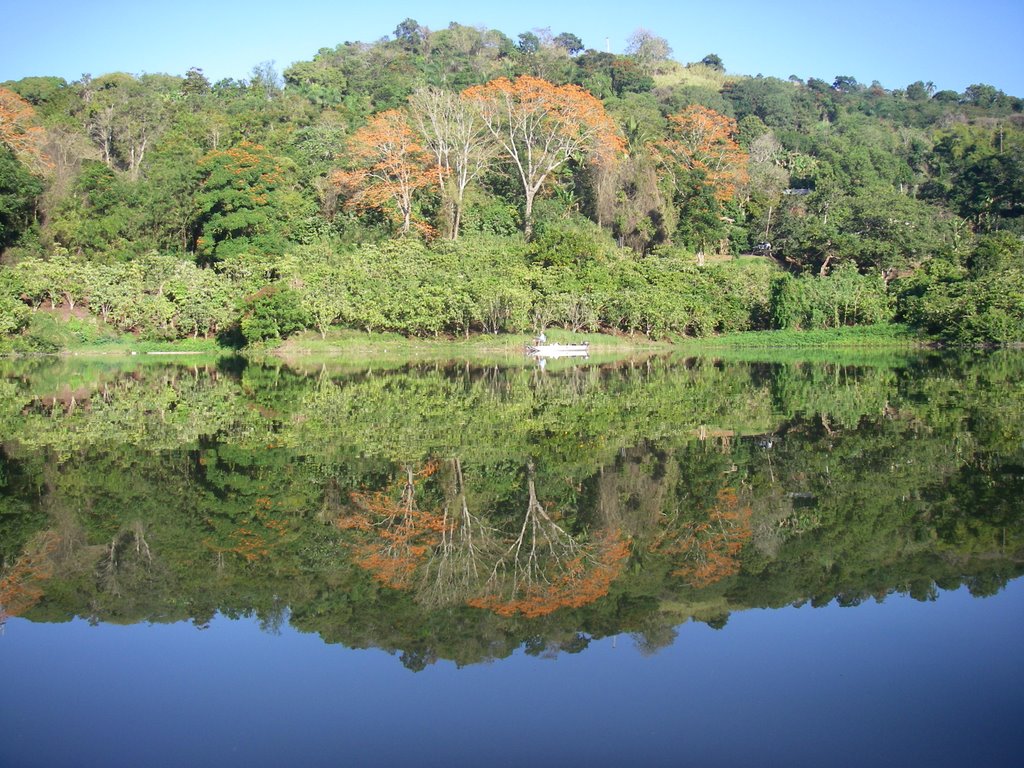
(558, 350)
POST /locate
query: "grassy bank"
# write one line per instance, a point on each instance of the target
(877, 336)
(355, 345)
(50, 333)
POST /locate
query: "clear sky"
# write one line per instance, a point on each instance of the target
(949, 42)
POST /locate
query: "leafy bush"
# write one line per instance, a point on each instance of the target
(569, 243)
(14, 315)
(987, 310)
(274, 312)
(845, 297)
(493, 217)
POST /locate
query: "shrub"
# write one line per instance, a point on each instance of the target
(14, 315)
(845, 297)
(274, 312)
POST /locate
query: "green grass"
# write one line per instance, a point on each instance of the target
(355, 343)
(672, 73)
(874, 345)
(50, 334)
(885, 335)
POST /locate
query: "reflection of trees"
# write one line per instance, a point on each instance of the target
(252, 541)
(531, 568)
(400, 533)
(126, 551)
(545, 568)
(910, 483)
(21, 584)
(453, 570)
(709, 547)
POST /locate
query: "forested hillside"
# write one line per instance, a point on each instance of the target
(459, 180)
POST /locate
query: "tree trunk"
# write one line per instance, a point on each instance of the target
(528, 216)
(456, 221)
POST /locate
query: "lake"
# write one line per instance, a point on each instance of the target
(738, 560)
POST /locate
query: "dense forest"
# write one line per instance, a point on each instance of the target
(443, 182)
(460, 512)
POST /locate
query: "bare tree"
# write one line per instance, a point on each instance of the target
(648, 49)
(454, 132)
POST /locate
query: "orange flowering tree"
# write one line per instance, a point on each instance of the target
(390, 165)
(18, 130)
(540, 127)
(543, 568)
(540, 575)
(703, 141)
(397, 535)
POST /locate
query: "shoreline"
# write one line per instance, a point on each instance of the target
(347, 345)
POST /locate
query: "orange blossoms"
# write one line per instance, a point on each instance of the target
(390, 165)
(704, 141)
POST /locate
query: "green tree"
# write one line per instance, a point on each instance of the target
(275, 312)
(246, 203)
(714, 61)
(19, 190)
(569, 42)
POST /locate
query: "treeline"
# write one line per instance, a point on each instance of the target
(472, 286)
(578, 181)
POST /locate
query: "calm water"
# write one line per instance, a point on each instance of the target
(665, 562)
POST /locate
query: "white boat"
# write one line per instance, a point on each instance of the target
(558, 350)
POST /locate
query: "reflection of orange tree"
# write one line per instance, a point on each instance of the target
(709, 547)
(452, 555)
(401, 535)
(20, 586)
(254, 540)
(467, 543)
(545, 568)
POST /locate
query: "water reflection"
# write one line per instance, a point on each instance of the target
(462, 512)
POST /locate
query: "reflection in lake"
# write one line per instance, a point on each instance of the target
(453, 512)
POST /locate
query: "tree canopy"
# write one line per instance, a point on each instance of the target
(467, 133)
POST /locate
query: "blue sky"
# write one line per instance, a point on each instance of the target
(953, 44)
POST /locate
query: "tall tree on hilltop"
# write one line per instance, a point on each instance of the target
(648, 49)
